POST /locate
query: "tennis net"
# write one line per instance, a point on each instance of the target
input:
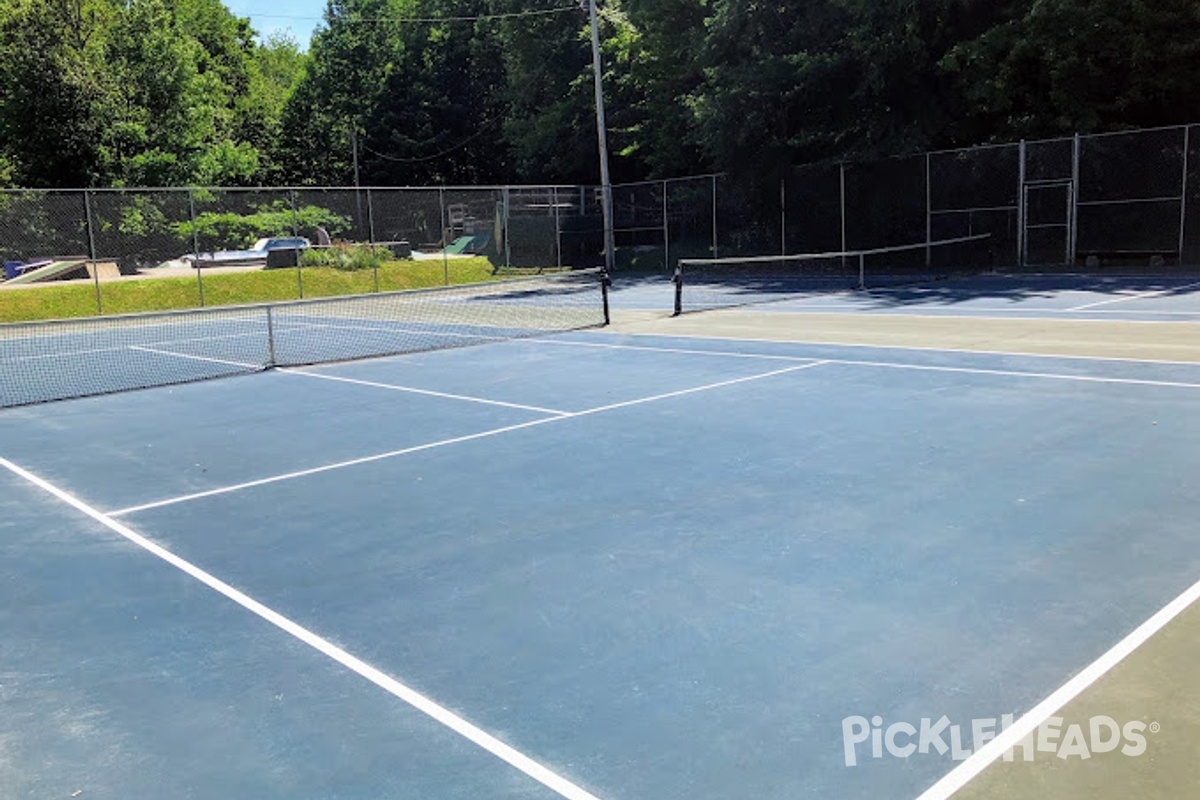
(57, 360)
(709, 283)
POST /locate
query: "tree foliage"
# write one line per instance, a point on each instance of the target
(139, 92)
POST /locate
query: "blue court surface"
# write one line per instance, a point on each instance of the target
(1115, 298)
(588, 565)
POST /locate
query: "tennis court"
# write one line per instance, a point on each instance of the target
(670, 558)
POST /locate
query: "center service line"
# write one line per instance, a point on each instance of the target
(456, 440)
(420, 702)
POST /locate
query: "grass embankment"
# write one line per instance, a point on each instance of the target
(78, 299)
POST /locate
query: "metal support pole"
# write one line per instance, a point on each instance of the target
(371, 238)
(445, 257)
(715, 253)
(270, 339)
(862, 271)
(1187, 143)
(357, 194)
(1021, 248)
(782, 217)
(929, 215)
(299, 271)
(666, 226)
(1073, 238)
(610, 254)
(557, 228)
(196, 246)
(842, 210)
(842, 201)
(91, 235)
(506, 199)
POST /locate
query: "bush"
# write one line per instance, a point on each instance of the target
(347, 257)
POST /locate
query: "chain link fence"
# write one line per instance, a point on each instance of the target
(1124, 201)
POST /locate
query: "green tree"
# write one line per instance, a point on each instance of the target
(55, 98)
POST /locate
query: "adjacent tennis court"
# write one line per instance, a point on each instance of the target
(725, 555)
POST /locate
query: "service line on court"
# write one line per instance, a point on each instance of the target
(389, 684)
(459, 439)
(849, 345)
(428, 392)
(209, 359)
(1135, 296)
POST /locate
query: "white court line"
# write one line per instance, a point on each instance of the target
(1012, 736)
(914, 348)
(119, 348)
(1029, 313)
(420, 702)
(301, 326)
(1135, 296)
(197, 358)
(894, 364)
(429, 392)
(455, 440)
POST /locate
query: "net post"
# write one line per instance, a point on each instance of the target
(91, 235)
(605, 282)
(862, 271)
(678, 281)
(196, 245)
(270, 338)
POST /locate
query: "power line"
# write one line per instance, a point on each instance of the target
(427, 20)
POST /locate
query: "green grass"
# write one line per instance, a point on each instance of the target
(63, 300)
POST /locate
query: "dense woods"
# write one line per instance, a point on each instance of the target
(175, 92)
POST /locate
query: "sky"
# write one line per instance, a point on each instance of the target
(297, 18)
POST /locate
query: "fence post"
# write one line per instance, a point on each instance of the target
(715, 254)
(196, 245)
(442, 236)
(557, 228)
(1073, 239)
(1187, 144)
(783, 216)
(929, 214)
(91, 235)
(299, 270)
(666, 225)
(842, 201)
(1021, 204)
(505, 199)
(371, 238)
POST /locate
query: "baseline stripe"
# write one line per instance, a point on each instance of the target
(420, 702)
(1011, 736)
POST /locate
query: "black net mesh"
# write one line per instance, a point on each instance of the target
(75, 358)
(705, 284)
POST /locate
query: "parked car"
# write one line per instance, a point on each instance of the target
(255, 256)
